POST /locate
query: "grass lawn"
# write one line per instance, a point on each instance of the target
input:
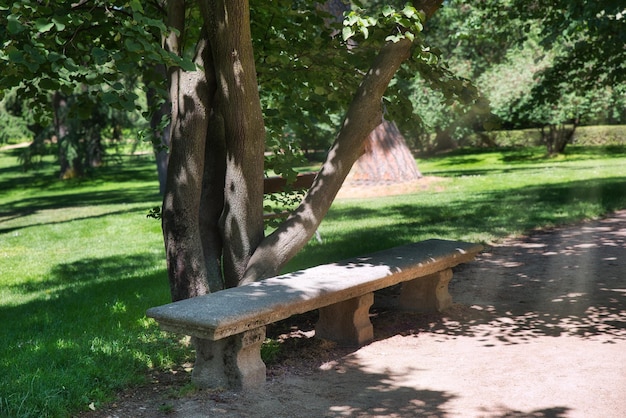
(80, 262)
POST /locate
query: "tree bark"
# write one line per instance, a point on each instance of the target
(60, 109)
(161, 137)
(216, 159)
(239, 106)
(190, 93)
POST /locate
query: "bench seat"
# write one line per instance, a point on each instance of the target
(233, 320)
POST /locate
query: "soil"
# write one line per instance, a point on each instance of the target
(538, 329)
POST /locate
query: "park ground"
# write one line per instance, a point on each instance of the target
(538, 329)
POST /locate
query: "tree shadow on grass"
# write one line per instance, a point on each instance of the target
(21, 224)
(83, 336)
(54, 193)
(517, 159)
(493, 213)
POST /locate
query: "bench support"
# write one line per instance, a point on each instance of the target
(347, 322)
(232, 362)
(427, 294)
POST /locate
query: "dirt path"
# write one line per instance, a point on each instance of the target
(538, 330)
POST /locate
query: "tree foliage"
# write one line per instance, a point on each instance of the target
(540, 64)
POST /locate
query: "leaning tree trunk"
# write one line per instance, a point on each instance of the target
(364, 114)
(386, 160)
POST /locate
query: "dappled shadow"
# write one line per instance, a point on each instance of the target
(76, 275)
(85, 313)
(572, 283)
(519, 159)
(54, 193)
(386, 380)
(504, 412)
(79, 198)
(521, 304)
(47, 193)
(6, 226)
(358, 392)
(546, 285)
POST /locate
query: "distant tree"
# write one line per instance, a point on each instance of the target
(578, 59)
(70, 61)
(549, 65)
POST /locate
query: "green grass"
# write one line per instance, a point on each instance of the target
(79, 265)
(80, 262)
(483, 195)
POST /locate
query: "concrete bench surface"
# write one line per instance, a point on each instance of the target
(218, 315)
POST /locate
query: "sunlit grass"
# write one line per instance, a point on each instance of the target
(484, 196)
(79, 265)
(80, 262)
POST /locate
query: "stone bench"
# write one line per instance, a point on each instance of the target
(228, 327)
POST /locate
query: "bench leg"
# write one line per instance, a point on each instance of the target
(427, 294)
(233, 362)
(347, 323)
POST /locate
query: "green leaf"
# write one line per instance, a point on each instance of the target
(109, 97)
(14, 26)
(100, 56)
(48, 84)
(364, 31)
(347, 33)
(43, 25)
(16, 56)
(409, 11)
(136, 6)
(132, 45)
(54, 57)
(59, 22)
(187, 65)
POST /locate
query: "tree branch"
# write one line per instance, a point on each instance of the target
(364, 114)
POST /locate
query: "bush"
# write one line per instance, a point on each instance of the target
(584, 135)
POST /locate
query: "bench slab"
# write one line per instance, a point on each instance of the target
(228, 327)
(221, 314)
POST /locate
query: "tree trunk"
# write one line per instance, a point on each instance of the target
(190, 94)
(216, 160)
(558, 136)
(239, 106)
(386, 160)
(160, 135)
(60, 109)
